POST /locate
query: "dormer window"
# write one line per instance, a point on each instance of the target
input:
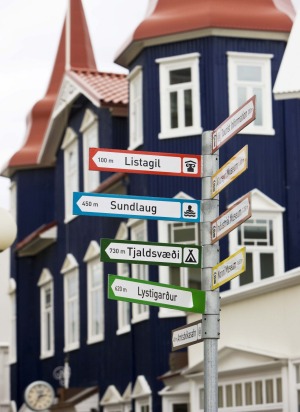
(179, 96)
(262, 235)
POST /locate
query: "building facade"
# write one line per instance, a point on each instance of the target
(190, 65)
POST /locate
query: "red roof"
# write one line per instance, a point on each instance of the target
(81, 55)
(108, 88)
(172, 17)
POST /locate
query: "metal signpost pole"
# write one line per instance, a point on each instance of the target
(211, 318)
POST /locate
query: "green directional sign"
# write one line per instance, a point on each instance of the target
(156, 294)
(149, 253)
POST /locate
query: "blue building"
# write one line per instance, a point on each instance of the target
(190, 65)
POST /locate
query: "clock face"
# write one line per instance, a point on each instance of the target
(39, 395)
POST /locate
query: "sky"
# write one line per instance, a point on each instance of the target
(29, 34)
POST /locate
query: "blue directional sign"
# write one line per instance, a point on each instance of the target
(137, 207)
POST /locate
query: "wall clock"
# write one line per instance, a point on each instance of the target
(39, 395)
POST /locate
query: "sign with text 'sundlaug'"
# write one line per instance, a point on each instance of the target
(138, 207)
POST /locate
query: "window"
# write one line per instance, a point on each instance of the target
(175, 402)
(250, 74)
(136, 108)
(183, 233)
(123, 270)
(262, 235)
(142, 395)
(248, 393)
(139, 233)
(179, 96)
(46, 313)
(12, 291)
(71, 170)
(89, 128)
(13, 200)
(298, 386)
(71, 302)
(95, 295)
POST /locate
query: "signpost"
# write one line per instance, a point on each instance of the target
(187, 335)
(229, 268)
(156, 294)
(239, 119)
(150, 253)
(230, 171)
(238, 213)
(138, 207)
(131, 161)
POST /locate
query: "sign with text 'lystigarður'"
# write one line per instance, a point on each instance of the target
(156, 294)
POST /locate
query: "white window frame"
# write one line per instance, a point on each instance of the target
(168, 401)
(13, 200)
(139, 312)
(92, 259)
(123, 270)
(136, 135)
(263, 61)
(89, 129)
(45, 283)
(70, 269)
(165, 271)
(266, 209)
(71, 176)
(275, 406)
(166, 65)
(142, 394)
(12, 291)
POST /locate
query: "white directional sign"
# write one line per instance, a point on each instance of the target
(234, 124)
(229, 268)
(230, 171)
(131, 161)
(238, 213)
(138, 207)
(150, 253)
(156, 294)
(187, 335)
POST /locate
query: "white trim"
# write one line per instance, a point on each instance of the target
(90, 138)
(45, 283)
(166, 65)
(71, 176)
(70, 263)
(92, 251)
(264, 84)
(136, 132)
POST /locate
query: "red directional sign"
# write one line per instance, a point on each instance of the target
(131, 161)
(239, 119)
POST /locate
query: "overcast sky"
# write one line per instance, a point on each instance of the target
(29, 36)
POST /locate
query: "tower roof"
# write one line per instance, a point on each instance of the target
(74, 52)
(171, 18)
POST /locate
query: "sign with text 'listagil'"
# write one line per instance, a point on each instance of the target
(239, 119)
(137, 207)
(187, 335)
(230, 171)
(156, 294)
(131, 161)
(150, 253)
(229, 268)
(234, 216)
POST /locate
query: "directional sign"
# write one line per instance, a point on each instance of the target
(150, 253)
(131, 161)
(187, 335)
(138, 207)
(156, 294)
(230, 171)
(238, 213)
(244, 115)
(229, 268)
